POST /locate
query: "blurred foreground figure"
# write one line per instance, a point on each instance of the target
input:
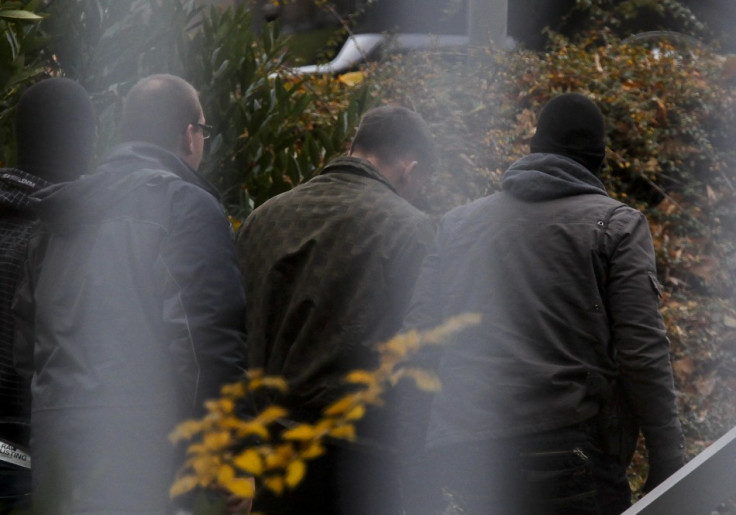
(130, 312)
(55, 130)
(541, 402)
(328, 269)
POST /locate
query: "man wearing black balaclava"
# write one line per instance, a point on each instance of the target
(55, 130)
(130, 312)
(530, 419)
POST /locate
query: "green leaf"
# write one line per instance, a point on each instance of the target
(19, 15)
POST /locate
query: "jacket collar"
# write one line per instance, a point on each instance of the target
(542, 176)
(16, 186)
(137, 155)
(356, 166)
(126, 168)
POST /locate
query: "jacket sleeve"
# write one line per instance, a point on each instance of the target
(416, 245)
(426, 305)
(24, 313)
(203, 301)
(424, 312)
(640, 343)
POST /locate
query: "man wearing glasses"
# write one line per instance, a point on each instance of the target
(130, 312)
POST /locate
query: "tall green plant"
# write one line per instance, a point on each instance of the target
(21, 61)
(107, 45)
(272, 130)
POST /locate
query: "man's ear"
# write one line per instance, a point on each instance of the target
(407, 171)
(186, 141)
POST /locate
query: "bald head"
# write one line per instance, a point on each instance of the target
(159, 109)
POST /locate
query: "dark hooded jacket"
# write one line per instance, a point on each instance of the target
(16, 224)
(564, 278)
(130, 317)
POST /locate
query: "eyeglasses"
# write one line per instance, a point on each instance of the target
(206, 129)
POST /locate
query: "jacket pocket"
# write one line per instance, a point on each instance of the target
(559, 478)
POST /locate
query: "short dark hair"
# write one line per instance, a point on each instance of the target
(158, 109)
(394, 132)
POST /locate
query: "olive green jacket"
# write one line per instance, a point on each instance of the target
(328, 269)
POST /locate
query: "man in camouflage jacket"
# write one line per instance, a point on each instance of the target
(328, 269)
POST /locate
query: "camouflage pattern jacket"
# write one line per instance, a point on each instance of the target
(328, 269)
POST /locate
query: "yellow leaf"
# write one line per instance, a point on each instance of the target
(271, 414)
(235, 223)
(278, 383)
(196, 448)
(401, 344)
(186, 430)
(323, 425)
(206, 468)
(275, 484)
(227, 406)
(230, 422)
(372, 395)
(242, 487)
(275, 460)
(295, 472)
(235, 390)
(300, 432)
(182, 485)
(424, 380)
(249, 461)
(441, 333)
(346, 432)
(361, 377)
(340, 406)
(253, 429)
(254, 373)
(314, 450)
(216, 440)
(225, 474)
(221, 406)
(356, 413)
(352, 78)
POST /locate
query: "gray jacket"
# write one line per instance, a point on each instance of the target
(130, 316)
(564, 278)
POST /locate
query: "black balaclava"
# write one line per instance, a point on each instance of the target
(55, 130)
(572, 125)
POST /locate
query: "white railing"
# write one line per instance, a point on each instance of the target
(697, 488)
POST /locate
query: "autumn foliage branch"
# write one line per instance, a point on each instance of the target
(228, 452)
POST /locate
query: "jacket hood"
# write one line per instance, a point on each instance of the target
(126, 168)
(542, 176)
(16, 186)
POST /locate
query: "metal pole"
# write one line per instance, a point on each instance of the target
(702, 484)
